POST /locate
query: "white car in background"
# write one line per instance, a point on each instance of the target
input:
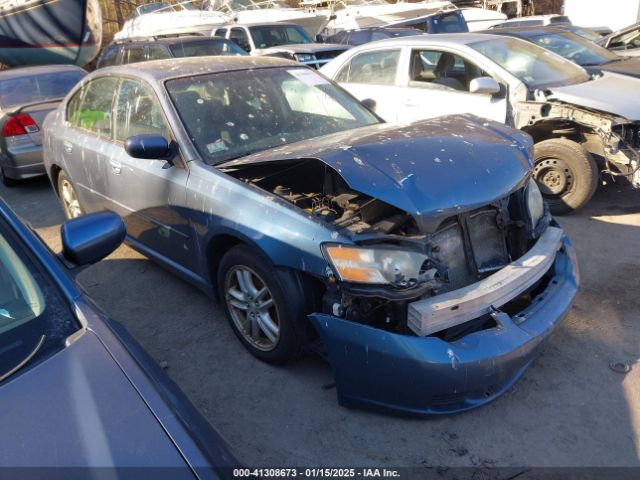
(581, 124)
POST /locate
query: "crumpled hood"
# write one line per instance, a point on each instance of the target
(612, 93)
(431, 169)
(305, 48)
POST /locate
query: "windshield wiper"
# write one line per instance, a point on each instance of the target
(24, 361)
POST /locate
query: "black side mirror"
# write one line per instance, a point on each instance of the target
(319, 38)
(369, 103)
(92, 237)
(149, 147)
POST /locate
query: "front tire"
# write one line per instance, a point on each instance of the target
(68, 198)
(265, 306)
(566, 174)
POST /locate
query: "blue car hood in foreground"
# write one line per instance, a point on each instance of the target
(86, 414)
(431, 169)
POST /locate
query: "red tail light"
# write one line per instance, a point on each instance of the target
(19, 125)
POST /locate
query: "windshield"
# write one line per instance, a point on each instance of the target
(206, 47)
(266, 36)
(533, 65)
(30, 309)
(231, 114)
(36, 88)
(575, 48)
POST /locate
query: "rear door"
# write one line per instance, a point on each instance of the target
(87, 140)
(373, 74)
(150, 195)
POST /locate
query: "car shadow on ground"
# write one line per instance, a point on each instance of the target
(35, 202)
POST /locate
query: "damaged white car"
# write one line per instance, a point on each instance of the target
(582, 125)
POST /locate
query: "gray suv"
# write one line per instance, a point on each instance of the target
(160, 48)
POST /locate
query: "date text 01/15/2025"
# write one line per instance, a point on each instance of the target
(316, 472)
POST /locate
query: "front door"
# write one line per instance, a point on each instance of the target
(150, 195)
(437, 83)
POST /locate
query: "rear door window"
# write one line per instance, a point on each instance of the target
(157, 52)
(109, 56)
(133, 55)
(90, 108)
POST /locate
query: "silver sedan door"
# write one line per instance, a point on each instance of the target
(437, 82)
(150, 195)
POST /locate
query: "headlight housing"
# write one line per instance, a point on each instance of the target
(305, 57)
(535, 203)
(376, 265)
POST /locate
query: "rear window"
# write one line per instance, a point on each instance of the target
(37, 88)
(205, 48)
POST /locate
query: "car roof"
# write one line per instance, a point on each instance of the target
(529, 31)
(161, 70)
(169, 40)
(255, 24)
(28, 71)
(533, 17)
(442, 38)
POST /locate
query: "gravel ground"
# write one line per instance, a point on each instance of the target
(570, 408)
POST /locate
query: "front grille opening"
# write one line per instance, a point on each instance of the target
(513, 308)
(453, 334)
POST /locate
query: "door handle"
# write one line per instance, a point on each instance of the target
(68, 146)
(116, 167)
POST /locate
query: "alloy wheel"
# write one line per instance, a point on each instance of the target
(70, 202)
(252, 307)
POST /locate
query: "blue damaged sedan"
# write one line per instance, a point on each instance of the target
(421, 255)
(76, 391)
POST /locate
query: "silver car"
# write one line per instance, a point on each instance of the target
(582, 125)
(27, 95)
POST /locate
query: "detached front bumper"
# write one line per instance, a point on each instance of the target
(423, 376)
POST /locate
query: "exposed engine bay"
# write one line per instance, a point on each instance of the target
(321, 192)
(464, 249)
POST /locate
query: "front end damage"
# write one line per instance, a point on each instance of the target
(614, 139)
(439, 289)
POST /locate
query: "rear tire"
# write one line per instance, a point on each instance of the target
(265, 306)
(68, 198)
(6, 181)
(566, 174)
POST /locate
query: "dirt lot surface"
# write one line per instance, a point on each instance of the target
(570, 408)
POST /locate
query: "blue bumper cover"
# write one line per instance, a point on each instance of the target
(424, 376)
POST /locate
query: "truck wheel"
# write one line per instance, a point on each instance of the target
(68, 197)
(6, 181)
(566, 174)
(265, 306)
